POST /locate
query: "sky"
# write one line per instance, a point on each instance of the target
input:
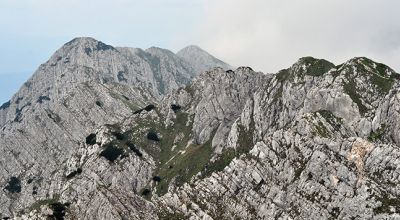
(267, 35)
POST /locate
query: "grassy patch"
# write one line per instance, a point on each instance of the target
(184, 166)
(383, 84)
(283, 75)
(317, 67)
(380, 77)
(245, 143)
(165, 214)
(386, 204)
(169, 147)
(322, 130)
(350, 88)
(378, 135)
(334, 121)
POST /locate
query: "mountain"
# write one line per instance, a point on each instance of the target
(154, 71)
(315, 140)
(201, 60)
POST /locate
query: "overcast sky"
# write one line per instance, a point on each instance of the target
(267, 35)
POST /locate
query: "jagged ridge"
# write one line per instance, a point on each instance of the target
(230, 144)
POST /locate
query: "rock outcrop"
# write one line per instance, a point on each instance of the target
(82, 140)
(200, 60)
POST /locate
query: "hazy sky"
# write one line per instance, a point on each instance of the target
(267, 35)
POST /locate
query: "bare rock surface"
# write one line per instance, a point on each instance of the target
(102, 132)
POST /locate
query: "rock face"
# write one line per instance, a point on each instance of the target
(81, 140)
(201, 60)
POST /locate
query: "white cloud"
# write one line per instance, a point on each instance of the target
(272, 34)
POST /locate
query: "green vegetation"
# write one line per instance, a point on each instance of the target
(175, 108)
(148, 108)
(220, 163)
(335, 212)
(184, 165)
(299, 170)
(380, 77)
(378, 135)
(283, 75)
(133, 148)
(383, 84)
(59, 209)
(14, 185)
(350, 89)
(39, 203)
(99, 103)
(322, 130)
(317, 66)
(334, 121)
(74, 173)
(245, 143)
(331, 119)
(177, 159)
(386, 204)
(165, 214)
(379, 67)
(91, 139)
(111, 152)
(146, 193)
(152, 135)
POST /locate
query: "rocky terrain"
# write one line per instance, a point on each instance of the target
(102, 132)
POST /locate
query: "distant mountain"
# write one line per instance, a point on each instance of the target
(102, 132)
(154, 71)
(200, 59)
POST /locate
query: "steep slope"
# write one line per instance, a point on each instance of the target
(156, 71)
(84, 86)
(312, 141)
(169, 71)
(306, 149)
(201, 60)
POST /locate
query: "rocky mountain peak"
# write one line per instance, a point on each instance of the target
(87, 44)
(125, 133)
(312, 66)
(158, 50)
(155, 71)
(201, 59)
(370, 66)
(191, 50)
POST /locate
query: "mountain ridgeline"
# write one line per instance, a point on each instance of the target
(103, 132)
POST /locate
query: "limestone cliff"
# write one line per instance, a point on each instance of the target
(100, 132)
